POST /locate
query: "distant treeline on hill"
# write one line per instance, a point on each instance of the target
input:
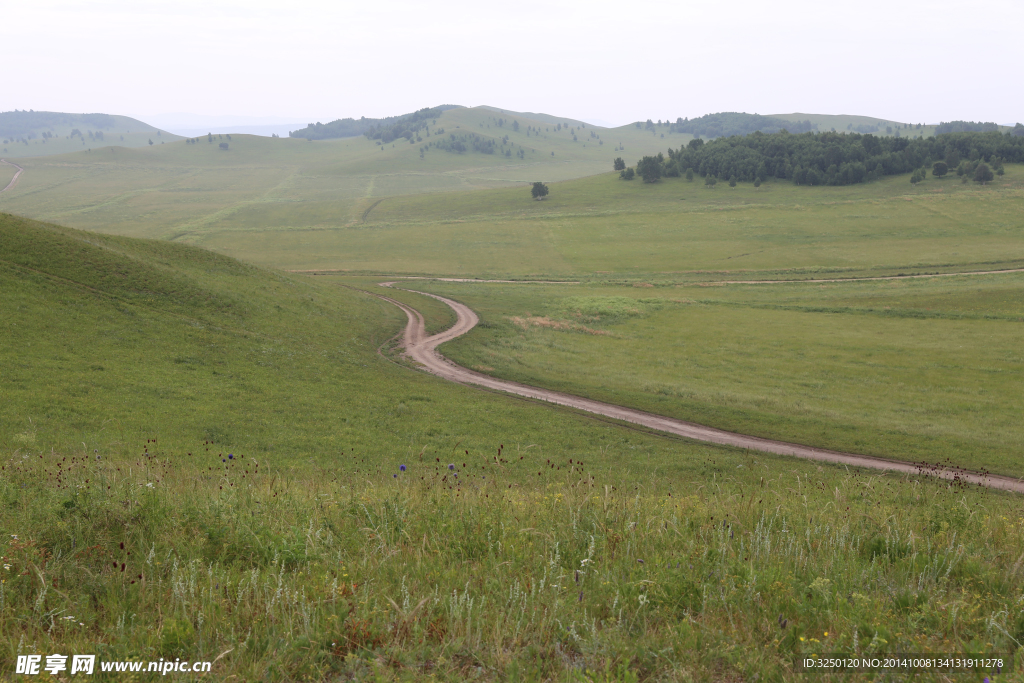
(729, 123)
(966, 127)
(385, 130)
(16, 124)
(829, 158)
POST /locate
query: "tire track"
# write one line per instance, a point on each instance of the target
(14, 180)
(422, 349)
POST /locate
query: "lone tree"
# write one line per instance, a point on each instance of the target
(940, 168)
(732, 181)
(710, 181)
(539, 191)
(983, 174)
(650, 169)
(619, 164)
(689, 175)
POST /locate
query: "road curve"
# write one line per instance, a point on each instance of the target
(422, 349)
(14, 180)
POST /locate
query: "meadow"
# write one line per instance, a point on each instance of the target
(923, 369)
(189, 192)
(210, 460)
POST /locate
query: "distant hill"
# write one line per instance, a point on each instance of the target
(391, 127)
(727, 124)
(43, 133)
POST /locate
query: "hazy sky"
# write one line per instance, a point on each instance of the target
(620, 61)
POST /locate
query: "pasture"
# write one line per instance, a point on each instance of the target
(912, 369)
(204, 459)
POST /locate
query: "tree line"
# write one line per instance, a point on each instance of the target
(824, 158)
(386, 129)
(966, 127)
(729, 123)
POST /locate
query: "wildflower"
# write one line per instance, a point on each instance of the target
(451, 466)
(402, 468)
(149, 485)
(231, 456)
(394, 476)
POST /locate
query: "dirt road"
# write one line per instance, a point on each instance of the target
(14, 180)
(423, 350)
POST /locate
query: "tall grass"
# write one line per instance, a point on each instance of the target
(496, 568)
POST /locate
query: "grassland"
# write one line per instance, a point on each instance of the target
(924, 369)
(602, 228)
(132, 369)
(187, 192)
(122, 132)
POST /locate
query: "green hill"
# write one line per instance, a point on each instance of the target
(185, 190)
(220, 453)
(45, 133)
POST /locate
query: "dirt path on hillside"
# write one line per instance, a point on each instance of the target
(14, 180)
(423, 350)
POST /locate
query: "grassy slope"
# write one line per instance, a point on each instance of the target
(318, 562)
(915, 370)
(126, 132)
(190, 192)
(601, 227)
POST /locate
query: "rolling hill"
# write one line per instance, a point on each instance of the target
(43, 133)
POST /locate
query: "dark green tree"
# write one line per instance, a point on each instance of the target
(618, 164)
(710, 181)
(650, 169)
(539, 191)
(627, 174)
(983, 174)
(939, 169)
(732, 181)
(689, 175)
(757, 183)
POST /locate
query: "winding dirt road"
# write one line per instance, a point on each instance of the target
(14, 180)
(423, 350)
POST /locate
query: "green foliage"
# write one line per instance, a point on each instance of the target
(727, 124)
(833, 158)
(539, 190)
(627, 173)
(966, 127)
(939, 169)
(983, 174)
(710, 181)
(619, 164)
(386, 130)
(689, 175)
(651, 168)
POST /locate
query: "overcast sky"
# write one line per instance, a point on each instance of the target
(615, 62)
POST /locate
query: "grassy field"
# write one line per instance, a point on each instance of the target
(923, 369)
(188, 192)
(602, 228)
(203, 459)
